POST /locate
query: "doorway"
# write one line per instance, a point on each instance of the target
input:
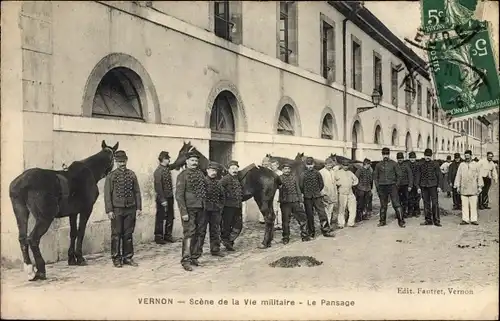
(222, 128)
(354, 139)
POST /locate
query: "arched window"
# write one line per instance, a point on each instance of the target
(117, 95)
(429, 142)
(327, 127)
(377, 139)
(286, 121)
(408, 144)
(448, 146)
(436, 146)
(419, 141)
(443, 146)
(394, 139)
(453, 146)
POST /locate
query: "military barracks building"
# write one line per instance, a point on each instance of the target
(238, 79)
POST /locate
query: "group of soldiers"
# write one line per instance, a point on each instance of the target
(205, 201)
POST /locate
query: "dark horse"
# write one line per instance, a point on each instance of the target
(258, 182)
(48, 194)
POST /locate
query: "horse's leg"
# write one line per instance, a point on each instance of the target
(266, 208)
(82, 225)
(22, 213)
(73, 232)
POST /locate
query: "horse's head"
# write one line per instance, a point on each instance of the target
(301, 157)
(182, 155)
(108, 154)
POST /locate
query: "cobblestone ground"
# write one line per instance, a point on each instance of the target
(365, 257)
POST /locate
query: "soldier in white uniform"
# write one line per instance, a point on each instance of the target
(276, 205)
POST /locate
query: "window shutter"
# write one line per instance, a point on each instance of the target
(330, 54)
(292, 32)
(236, 29)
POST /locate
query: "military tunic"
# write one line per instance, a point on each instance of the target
(232, 220)
(164, 193)
(311, 183)
(428, 180)
(414, 196)
(290, 199)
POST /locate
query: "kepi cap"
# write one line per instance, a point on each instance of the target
(386, 151)
(309, 161)
(120, 155)
(400, 156)
(428, 152)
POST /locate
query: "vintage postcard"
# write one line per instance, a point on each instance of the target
(250, 160)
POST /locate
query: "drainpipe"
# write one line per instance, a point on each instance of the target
(344, 79)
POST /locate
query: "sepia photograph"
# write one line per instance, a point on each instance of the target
(250, 160)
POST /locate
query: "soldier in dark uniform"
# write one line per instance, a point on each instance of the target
(405, 184)
(232, 220)
(213, 205)
(311, 183)
(387, 176)
(122, 200)
(452, 173)
(414, 196)
(428, 182)
(363, 189)
(164, 200)
(190, 193)
(292, 203)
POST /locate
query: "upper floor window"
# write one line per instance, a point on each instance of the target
(288, 32)
(357, 68)
(378, 135)
(394, 86)
(117, 95)
(228, 24)
(328, 50)
(419, 99)
(408, 94)
(377, 71)
(286, 121)
(428, 103)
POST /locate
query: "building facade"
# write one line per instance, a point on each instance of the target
(238, 79)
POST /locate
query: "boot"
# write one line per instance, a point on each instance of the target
(326, 230)
(383, 217)
(399, 215)
(186, 253)
(436, 218)
(168, 233)
(115, 251)
(159, 240)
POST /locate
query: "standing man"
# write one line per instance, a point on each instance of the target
(266, 162)
(190, 194)
(311, 184)
(345, 181)
(275, 167)
(488, 173)
(363, 189)
(452, 173)
(405, 184)
(164, 200)
(329, 191)
(123, 203)
(414, 196)
(232, 220)
(387, 176)
(212, 216)
(292, 203)
(428, 182)
(445, 170)
(468, 182)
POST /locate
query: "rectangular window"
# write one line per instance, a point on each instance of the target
(408, 94)
(419, 99)
(288, 32)
(394, 86)
(227, 20)
(377, 72)
(328, 51)
(428, 104)
(357, 68)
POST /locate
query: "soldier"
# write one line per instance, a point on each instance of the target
(213, 205)
(276, 206)
(444, 171)
(488, 172)
(469, 184)
(452, 174)
(232, 220)
(387, 176)
(428, 182)
(292, 203)
(311, 184)
(345, 180)
(414, 196)
(123, 203)
(364, 187)
(329, 191)
(266, 162)
(190, 193)
(405, 184)
(164, 200)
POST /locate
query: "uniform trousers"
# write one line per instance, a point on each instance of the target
(483, 197)
(232, 224)
(469, 208)
(431, 206)
(404, 195)
(414, 202)
(457, 199)
(164, 215)
(385, 192)
(122, 229)
(347, 202)
(316, 204)
(295, 209)
(277, 210)
(330, 207)
(189, 229)
(362, 201)
(212, 219)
